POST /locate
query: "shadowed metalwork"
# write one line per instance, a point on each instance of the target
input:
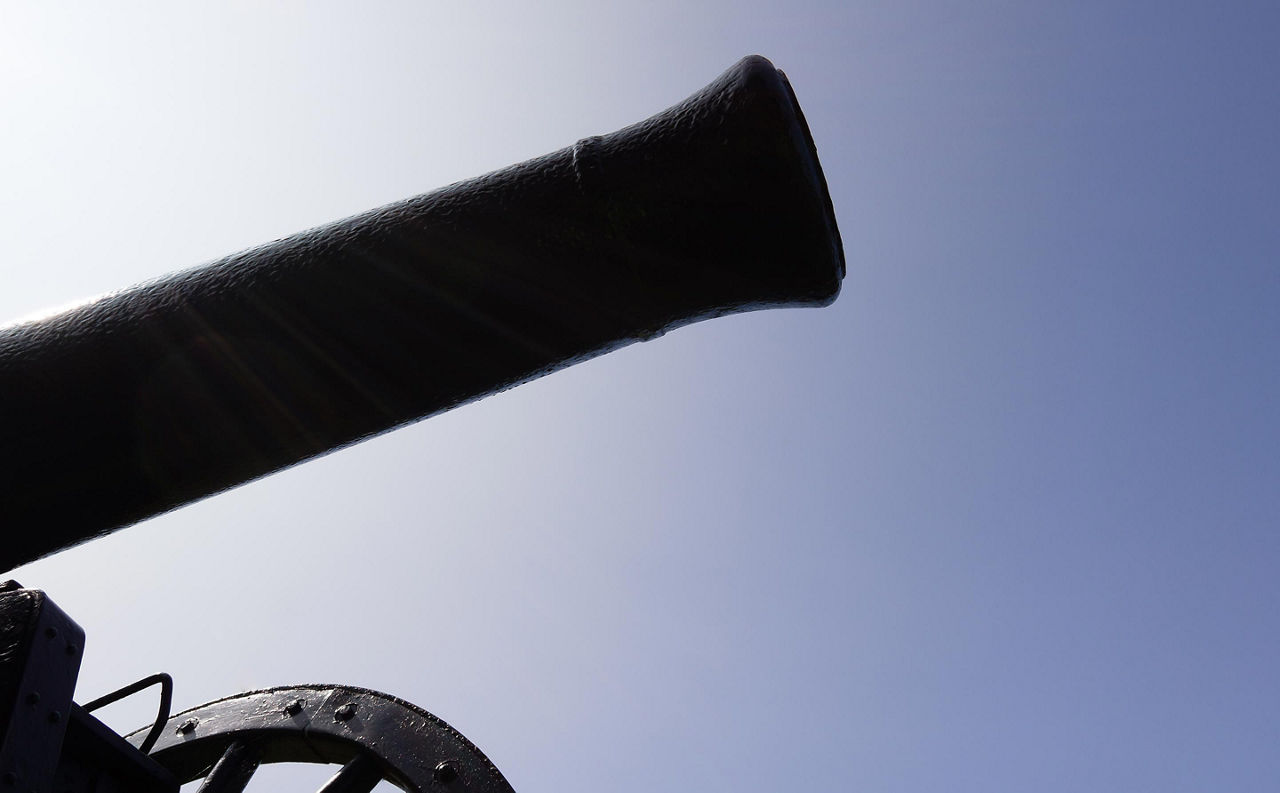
(182, 387)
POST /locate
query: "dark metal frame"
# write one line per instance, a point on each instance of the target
(375, 736)
(296, 348)
(49, 744)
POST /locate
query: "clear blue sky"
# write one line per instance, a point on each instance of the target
(1003, 518)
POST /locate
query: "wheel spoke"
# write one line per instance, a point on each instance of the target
(233, 770)
(358, 776)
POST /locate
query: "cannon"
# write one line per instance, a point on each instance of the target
(150, 398)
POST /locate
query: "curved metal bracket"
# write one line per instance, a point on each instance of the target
(413, 749)
(165, 682)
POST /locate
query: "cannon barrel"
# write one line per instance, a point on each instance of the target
(162, 394)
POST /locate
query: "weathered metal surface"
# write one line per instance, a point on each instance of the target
(168, 392)
(95, 759)
(156, 396)
(329, 724)
(40, 660)
(48, 744)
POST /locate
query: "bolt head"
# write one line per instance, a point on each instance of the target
(294, 707)
(444, 772)
(345, 713)
(187, 727)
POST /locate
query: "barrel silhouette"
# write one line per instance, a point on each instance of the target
(179, 388)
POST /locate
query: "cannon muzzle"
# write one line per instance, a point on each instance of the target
(182, 387)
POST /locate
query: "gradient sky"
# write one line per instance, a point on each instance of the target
(1003, 518)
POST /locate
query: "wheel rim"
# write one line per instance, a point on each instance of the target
(372, 735)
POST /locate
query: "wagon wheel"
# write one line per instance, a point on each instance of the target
(373, 736)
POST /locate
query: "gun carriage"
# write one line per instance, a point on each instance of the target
(176, 389)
